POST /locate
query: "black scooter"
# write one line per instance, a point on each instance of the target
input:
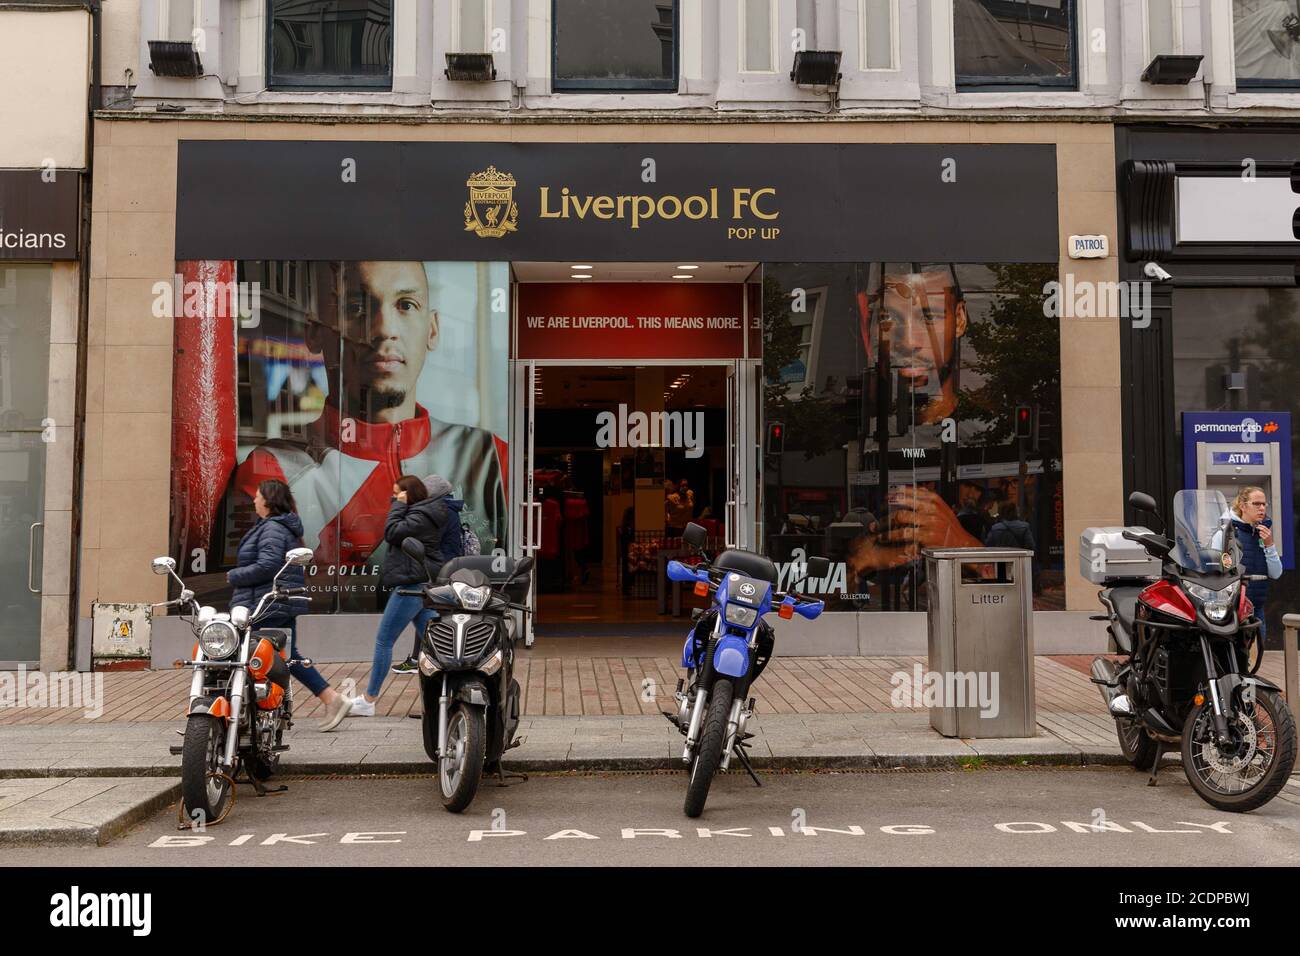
(466, 662)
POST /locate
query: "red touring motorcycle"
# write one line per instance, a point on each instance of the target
(1183, 628)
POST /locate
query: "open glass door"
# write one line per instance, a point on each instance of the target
(742, 435)
(525, 515)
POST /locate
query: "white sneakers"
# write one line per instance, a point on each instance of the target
(362, 707)
(335, 716)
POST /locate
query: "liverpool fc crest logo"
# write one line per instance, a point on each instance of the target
(491, 211)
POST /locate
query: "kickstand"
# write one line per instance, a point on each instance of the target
(740, 749)
(1155, 767)
(262, 789)
(503, 774)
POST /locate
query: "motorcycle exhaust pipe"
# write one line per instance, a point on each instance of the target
(1104, 676)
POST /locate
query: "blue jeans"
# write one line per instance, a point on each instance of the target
(401, 610)
(310, 677)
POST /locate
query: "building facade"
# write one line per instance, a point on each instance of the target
(827, 232)
(44, 190)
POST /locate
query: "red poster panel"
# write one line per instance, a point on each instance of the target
(630, 320)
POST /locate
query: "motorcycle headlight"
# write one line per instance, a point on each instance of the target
(472, 599)
(740, 615)
(1223, 596)
(1215, 612)
(428, 665)
(218, 640)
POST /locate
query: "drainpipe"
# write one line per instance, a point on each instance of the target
(83, 334)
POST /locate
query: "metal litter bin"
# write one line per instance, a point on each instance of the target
(981, 642)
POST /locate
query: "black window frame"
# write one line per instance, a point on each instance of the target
(325, 81)
(1019, 84)
(670, 85)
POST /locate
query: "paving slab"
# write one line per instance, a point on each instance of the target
(68, 811)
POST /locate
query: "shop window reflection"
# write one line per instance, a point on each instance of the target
(905, 438)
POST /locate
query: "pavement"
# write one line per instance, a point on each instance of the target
(72, 777)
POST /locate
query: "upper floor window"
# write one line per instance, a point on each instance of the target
(1267, 38)
(1164, 32)
(879, 43)
(330, 43)
(1014, 44)
(471, 27)
(608, 45)
(757, 36)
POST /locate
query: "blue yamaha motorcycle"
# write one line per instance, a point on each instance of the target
(725, 652)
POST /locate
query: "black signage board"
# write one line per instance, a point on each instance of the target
(616, 202)
(39, 213)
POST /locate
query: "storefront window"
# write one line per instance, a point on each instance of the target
(338, 378)
(897, 385)
(615, 45)
(331, 43)
(1008, 45)
(1236, 350)
(1266, 34)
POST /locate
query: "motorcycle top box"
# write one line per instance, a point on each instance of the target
(1105, 554)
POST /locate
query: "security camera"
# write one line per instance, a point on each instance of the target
(1153, 270)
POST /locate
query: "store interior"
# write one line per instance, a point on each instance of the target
(607, 513)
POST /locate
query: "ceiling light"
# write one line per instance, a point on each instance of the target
(684, 268)
(579, 267)
(580, 275)
(683, 275)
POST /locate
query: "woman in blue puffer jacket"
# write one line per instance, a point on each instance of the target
(261, 556)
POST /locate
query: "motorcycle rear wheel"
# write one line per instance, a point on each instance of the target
(1272, 753)
(205, 797)
(1136, 744)
(708, 753)
(459, 776)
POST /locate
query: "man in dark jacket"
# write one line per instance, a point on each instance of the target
(262, 553)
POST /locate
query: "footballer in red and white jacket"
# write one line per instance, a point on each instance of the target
(342, 471)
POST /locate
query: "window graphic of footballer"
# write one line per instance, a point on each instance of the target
(353, 374)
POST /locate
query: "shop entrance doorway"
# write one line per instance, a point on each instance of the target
(611, 456)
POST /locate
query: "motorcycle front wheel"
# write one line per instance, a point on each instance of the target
(205, 795)
(708, 752)
(461, 765)
(1259, 762)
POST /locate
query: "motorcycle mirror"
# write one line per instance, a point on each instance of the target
(695, 535)
(413, 548)
(300, 556)
(1142, 502)
(819, 568)
(163, 565)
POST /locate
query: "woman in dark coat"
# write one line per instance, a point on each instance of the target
(261, 556)
(414, 513)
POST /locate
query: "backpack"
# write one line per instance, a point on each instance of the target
(469, 541)
(459, 540)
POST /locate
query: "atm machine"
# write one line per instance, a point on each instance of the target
(1227, 450)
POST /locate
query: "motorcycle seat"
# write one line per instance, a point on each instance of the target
(747, 563)
(1123, 602)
